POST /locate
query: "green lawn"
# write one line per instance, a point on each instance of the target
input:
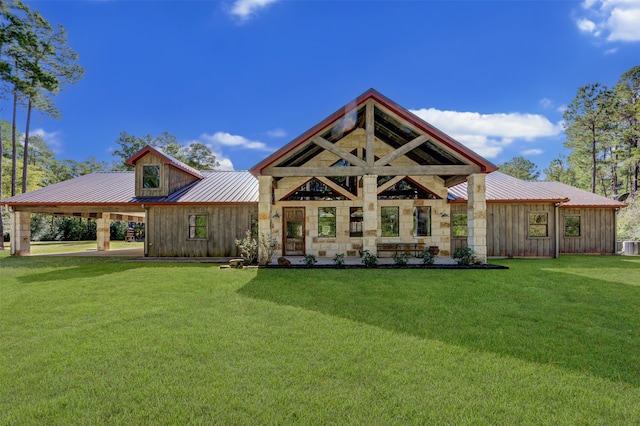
(95, 340)
(53, 247)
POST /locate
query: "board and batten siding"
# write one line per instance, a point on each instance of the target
(597, 231)
(508, 230)
(168, 230)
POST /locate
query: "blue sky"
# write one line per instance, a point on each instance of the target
(246, 77)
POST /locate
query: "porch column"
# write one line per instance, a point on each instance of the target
(20, 223)
(103, 231)
(477, 215)
(370, 213)
(265, 188)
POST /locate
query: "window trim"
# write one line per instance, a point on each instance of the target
(335, 222)
(155, 167)
(564, 225)
(415, 221)
(466, 225)
(397, 225)
(529, 224)
(195, 227)
(359, 220)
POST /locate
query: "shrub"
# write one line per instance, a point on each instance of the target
(338, 259)
(428, 258)
(370, 260)
(309, 260)
(248, 248)
(464, 256)
(268, 246)
(401, 259)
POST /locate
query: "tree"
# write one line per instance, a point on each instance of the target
(628, 113)
(196, 154)
(588, 127)
(54, 64)
(521, 168)
(199, 156)
(560, 172)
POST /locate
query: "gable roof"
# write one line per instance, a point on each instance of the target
(372, 95)
(118, 189)
(502, 188)
(166, 159)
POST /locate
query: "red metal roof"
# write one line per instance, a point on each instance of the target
(408, 116)
(167, 159)
(118, 188)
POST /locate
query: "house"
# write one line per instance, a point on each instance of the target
(370, 177)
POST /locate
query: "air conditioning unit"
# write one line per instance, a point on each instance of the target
(631, 247)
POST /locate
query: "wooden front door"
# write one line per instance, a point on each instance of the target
(293, 230)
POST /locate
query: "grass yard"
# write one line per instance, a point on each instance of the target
(94, 340)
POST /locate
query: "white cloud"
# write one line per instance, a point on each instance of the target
(277, 133)
(246, 9)
(225, 162)
(615, 20)
(227, 139)
(546, 103)
(52, 139)
(488, 134)
(534, 151)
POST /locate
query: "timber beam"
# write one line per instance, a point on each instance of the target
(443, 170)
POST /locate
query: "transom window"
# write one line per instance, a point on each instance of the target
(197, 226)
(538, 224)
(326, 222)
(572, 226)
(151, 177)
(389, 221)
(422, 221)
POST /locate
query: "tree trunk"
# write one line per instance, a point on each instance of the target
(14, 148)
(594, 163)
(25, 152)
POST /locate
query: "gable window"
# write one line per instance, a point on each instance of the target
(389, 221)
(355, 221)
(326, 222)
(572, 226)
(422, 221)
(538, 224)
(197, 226)
(151, 177)
(459, 225)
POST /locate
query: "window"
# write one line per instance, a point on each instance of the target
(459, 225)
(422, 221)
(151, 177)
(389, 220)
(572, 226)
(539, 224)
(355, 221)
(326, 222)
(197, 226)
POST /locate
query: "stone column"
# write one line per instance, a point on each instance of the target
(265, 191)
(103, 231)
(20, 223)
(370, 213)
(477, 215)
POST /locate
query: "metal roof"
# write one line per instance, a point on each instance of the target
(508, 189)
(579, 197)
(118, 188)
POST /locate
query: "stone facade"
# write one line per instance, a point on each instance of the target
(477, 216)
(20, 233)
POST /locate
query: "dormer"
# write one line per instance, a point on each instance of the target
(159, 174)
